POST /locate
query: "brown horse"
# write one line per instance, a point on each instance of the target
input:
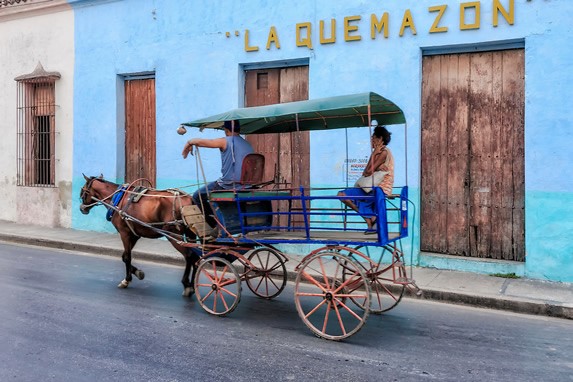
(156, 213)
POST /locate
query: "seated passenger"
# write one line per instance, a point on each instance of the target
(382, 160)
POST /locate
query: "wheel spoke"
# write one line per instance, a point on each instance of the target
(228, 292)
(347, 282)
(220, 294)
(306, 294)
(227, 282)
(340, 318)
(272, 281)
(323, 272)
(315, 309)
(208, 275)
(313, 281)
(326, 318)
(388, 292)
(207, 295)
(342, 304)
(350, 295)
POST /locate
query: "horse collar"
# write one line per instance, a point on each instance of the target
(118, 194)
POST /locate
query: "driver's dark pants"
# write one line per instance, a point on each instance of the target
(201, 199)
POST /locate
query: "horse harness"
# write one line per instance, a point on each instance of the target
(134, 197)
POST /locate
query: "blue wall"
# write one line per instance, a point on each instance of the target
(198, 73)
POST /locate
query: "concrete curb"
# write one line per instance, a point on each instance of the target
(517, 305)
(499, 303)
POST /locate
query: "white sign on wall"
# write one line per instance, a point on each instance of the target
(353, 168)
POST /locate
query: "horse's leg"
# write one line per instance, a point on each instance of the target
(190, 260)
(129, 241)
(188, 288)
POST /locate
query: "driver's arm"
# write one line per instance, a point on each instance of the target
(217, 143)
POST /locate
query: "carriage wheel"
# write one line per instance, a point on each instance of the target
(385, 292)
(268, 277)
(322, 295)
(217, 286)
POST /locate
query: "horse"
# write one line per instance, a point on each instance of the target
(156, 213)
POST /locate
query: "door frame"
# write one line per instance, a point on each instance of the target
(121, 117)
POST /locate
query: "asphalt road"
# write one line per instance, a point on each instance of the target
(62, 318)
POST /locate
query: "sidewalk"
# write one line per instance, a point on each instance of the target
(517, 295)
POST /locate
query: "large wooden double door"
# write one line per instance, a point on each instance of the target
(472, 171)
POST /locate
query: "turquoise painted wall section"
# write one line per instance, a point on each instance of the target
(549, 235)
(198, 72)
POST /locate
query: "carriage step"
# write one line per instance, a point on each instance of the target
(195, 221)
(403, 280)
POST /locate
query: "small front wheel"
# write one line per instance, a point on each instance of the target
(217, 286)
(325, 285)
(268, 277)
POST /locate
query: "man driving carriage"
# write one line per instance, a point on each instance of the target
(233, 149)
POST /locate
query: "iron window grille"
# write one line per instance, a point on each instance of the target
(36, 129)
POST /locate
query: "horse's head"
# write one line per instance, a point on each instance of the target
(86, 194)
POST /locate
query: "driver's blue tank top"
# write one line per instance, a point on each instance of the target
(232, 160)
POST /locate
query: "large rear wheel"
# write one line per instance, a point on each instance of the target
(217, 286)
(322, 295)
(268, 278)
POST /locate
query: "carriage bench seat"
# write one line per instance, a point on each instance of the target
(246, 209)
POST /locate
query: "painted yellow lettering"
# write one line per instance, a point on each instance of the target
(249, 48)
(508, 16)
(440, 9)
(376, 25)
(273, 38)
(348, 29)
(476, 6)
(306, 41)
(332, 38)
(407, 22)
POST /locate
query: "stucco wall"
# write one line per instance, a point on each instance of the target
(43, 34)
(198, 72)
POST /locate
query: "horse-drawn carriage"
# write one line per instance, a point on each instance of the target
(347, 275)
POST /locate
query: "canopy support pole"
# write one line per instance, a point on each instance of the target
(406, 151)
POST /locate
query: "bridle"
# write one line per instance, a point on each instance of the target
(85, 191)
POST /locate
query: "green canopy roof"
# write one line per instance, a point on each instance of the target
(317, 114)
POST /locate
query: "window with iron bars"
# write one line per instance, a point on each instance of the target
(36, 132)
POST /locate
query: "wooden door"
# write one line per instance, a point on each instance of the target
(287, 155)
(140, 130)
(472, 182)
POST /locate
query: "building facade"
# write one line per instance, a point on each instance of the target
(484, 86)
(37, 53)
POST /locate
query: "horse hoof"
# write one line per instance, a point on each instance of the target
(139, 274)
(187, 292)
(123, 284)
